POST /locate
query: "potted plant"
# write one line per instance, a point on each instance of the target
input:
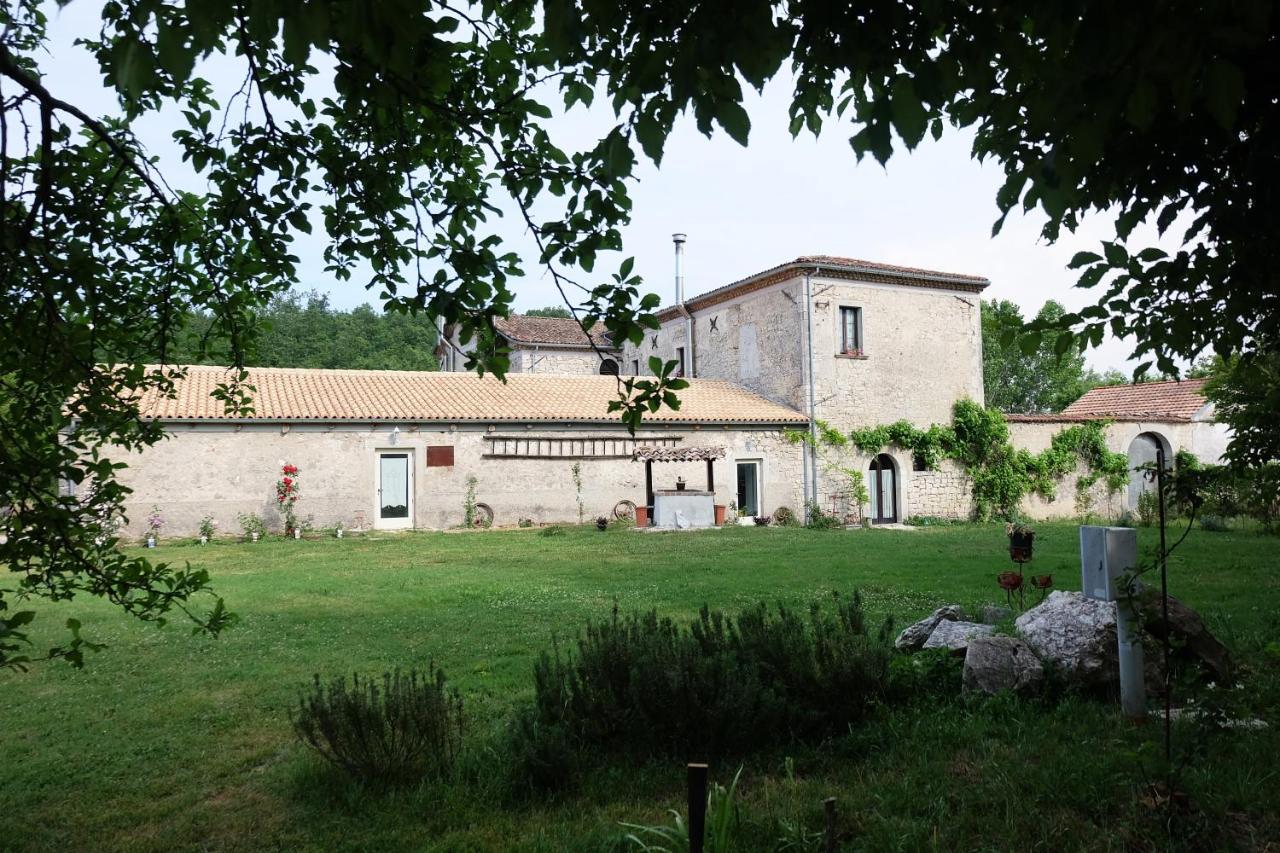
(761, 520)
(1021, 541)
(207, 525)
(155, 521)
(338, 531)
(680, 484)
(602, 523)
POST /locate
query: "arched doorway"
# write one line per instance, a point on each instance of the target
(882, 484)
(1144, 451)
(608, 367)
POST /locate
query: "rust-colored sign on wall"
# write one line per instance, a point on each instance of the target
(440, 456)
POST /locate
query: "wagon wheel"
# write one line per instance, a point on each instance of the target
(624, 509)
(483, 516)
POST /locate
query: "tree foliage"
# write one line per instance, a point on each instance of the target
(1245, 391)
(549, 311)
(303, 330)
(400, 128)
(1034, 380)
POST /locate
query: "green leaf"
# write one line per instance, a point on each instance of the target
(1223, 92)
(1080, 259)
(910, 118)
(1117, 256)
(734, 119)
(652, 136)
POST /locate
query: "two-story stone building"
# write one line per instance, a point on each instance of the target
(846, 342)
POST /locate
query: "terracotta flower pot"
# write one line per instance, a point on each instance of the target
(719, 510)
(642, 516)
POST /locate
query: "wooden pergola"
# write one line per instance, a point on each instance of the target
(650, 455)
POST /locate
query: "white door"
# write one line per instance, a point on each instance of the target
(393, 479)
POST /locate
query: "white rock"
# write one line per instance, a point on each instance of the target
(992, 664)
(914, 636)
(1077, 634)
(955, 635)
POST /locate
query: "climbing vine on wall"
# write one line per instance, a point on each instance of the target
(978, 440)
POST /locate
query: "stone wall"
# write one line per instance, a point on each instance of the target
(223, 470)
(1207, 440)
(554, 360)
(946, 493)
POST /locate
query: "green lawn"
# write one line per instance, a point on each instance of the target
(169, 741)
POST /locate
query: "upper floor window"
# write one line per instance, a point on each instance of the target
(635, 367)
(850, 331)
(680, 360)
(609, 367)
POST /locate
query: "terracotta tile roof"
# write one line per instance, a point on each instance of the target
(1175, 400)
(559, 331)
(832, 266)
(288, 394)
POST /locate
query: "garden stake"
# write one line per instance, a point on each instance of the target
(697, 807)
(830, 805)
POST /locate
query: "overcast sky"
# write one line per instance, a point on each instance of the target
(744, 209)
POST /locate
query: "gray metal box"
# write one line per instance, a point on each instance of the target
(1106, 555)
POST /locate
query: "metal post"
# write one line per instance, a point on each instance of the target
(1164, 610)
(697, 807)
(829, 804)
(1107, 554)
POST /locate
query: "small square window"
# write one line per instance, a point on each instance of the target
(850, 331)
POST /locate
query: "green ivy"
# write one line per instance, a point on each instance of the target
(1002, 475)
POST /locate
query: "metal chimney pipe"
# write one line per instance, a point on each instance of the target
(689, 368)
(678, 239)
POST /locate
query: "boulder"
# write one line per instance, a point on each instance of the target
(955, 635)
(914, 636)
(993, 614)
(992, 664)
(1188, 631)
(1077, 634)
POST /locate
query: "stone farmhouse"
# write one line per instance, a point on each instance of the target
(818, 339)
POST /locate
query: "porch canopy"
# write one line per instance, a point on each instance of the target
(650, 455)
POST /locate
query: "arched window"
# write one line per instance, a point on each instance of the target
(608, 367)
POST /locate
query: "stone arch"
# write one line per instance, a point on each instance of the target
(608, 367)
(1144, 450)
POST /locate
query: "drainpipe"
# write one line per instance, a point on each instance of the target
(690, 359)
(813, 426)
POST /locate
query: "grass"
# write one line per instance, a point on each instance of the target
(168, 741)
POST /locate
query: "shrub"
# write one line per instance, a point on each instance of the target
(785, 516)
(1213, 523)
(553, 530)
(819, 520)
(406, 730)
(929, 521)
(1148, 507)
(646, 686)
(251, 523)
